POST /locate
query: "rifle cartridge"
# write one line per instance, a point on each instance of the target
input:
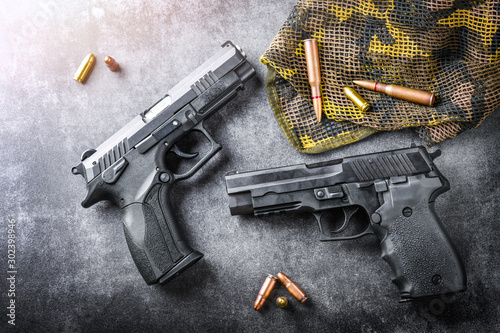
(404, 93)
(314, 75)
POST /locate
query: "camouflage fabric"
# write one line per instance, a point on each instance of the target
(447, 47)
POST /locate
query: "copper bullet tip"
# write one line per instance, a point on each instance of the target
(366, 84)
(111, 63)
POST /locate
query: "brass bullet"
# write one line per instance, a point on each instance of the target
(407, 94)
(282, 302)
(357, 99)
(265, 291)
(314, 74)
(112, 64)
(292, 288)
(85, 68)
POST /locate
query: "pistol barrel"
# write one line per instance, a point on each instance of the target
(274, 190)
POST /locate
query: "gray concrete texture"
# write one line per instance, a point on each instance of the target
(74, 270)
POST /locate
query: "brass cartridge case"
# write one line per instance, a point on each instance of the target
(357, 99)
(292, 288)
(314, 74)
(85, 68)
(404, 93)
(112, 64)
(282, 302)
(265, 291)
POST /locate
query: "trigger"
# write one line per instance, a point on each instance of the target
(182, 154)
(348, 213)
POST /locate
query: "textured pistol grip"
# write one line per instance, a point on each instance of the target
(156, 246)
(422, 257)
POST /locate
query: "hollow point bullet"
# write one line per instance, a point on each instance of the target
(85, 68)
(111, 63)
(407, 94)
(314, 74)
(292, 288)
(265, 291)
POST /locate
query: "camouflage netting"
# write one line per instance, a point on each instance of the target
(448, 47)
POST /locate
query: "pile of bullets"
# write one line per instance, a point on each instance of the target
(314, 76)
(268, 286)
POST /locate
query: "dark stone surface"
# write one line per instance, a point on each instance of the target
(74, 270)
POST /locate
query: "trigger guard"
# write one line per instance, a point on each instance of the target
(318, 216)
(215, 148)
(348, 213)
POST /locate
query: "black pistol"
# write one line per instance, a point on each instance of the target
(390, 194)
(130, 168)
